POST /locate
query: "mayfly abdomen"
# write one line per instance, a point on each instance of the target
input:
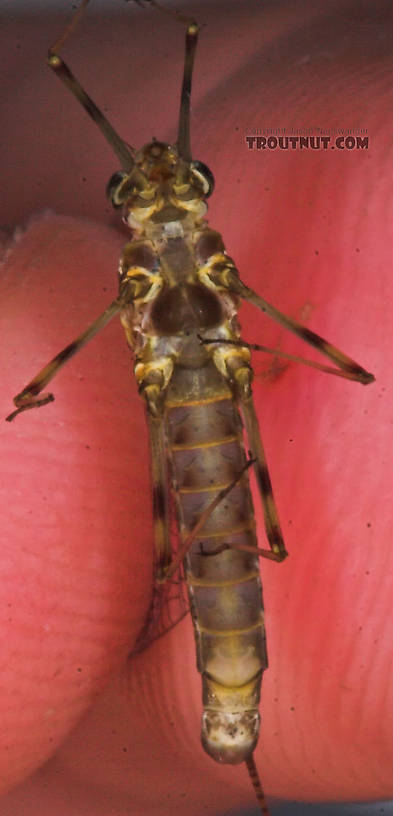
(207, 453)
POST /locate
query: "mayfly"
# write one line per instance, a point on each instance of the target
(179, 294)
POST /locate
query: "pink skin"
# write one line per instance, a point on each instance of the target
(83, 729)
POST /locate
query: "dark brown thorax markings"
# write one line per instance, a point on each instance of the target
(184, 304)
(185, 307)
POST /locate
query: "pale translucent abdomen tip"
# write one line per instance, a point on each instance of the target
(230, 738)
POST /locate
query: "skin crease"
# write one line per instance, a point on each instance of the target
(84, 729)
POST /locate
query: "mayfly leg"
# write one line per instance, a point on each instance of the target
(121, 149)
(130, 289)
(351, 370)
(225, 276)
(119, 146)
(28, 397)
(272, 523)
(294, 358)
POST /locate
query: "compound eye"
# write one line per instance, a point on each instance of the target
(119, 188)
(201, 173)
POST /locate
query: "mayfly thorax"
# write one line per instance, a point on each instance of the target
(179, 294)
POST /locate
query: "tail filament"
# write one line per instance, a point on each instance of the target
(254, 776)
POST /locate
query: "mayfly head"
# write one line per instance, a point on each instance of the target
(163, 184)
(160, 182)
(162, 198)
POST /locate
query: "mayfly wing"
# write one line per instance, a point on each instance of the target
(169, 604)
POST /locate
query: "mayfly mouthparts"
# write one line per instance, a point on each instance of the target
(179, 294)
